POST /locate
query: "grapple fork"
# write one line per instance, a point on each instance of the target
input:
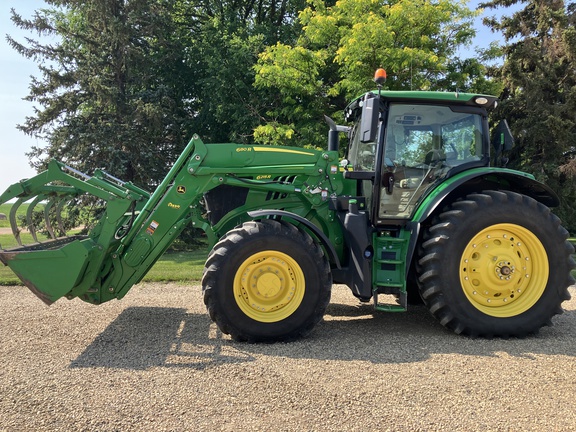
(54, 266)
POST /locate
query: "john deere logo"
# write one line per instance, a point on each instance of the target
(181, 189)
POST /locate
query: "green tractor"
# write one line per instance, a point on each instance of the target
(414, 212)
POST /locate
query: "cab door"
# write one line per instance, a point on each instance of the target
(422, 145)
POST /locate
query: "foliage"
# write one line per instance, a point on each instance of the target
(125, 83)
(539, 95)
(111, 92)
(342, 45)
(224, 41)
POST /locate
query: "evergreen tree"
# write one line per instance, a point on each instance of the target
(125, 83)
(539, 96)
(113, 90)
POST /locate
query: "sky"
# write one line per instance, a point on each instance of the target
(15, 73)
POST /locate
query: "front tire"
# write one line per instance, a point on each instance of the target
(266, 281)
(495, 264)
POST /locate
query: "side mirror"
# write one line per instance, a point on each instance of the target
(502, 139)
(370, 116)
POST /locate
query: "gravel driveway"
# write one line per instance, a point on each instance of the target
(154, 362)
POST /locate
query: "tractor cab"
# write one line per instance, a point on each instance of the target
(402, 144)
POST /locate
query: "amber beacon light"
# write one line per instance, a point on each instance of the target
(380, 76)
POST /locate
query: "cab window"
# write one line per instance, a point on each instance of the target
(422, 144)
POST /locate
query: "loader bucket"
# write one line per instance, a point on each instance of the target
(64, 260)
(50, 269)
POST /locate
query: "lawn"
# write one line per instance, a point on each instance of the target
(179, 267)
(5, 208)
(185, 267)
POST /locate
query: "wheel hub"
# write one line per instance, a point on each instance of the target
(504, 270)
(269, 286)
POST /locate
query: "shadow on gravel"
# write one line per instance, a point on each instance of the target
(145, 337)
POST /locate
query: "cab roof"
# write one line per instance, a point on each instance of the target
(427, 97)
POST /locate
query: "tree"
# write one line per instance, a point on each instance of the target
(127, 82)
(342, 45)
(539, 95)
(111, 92)
(225, 39)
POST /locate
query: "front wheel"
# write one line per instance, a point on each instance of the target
(266, 281)
(495, 264)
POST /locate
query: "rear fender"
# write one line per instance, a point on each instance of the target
(471, 181)
(483, 179)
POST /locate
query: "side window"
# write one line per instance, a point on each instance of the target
(417, 134)
(463, 140)
(362, 156)
(411, 148)
(410, 136)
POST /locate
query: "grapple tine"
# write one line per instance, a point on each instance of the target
(29, 213)
(13, 222)
(49, 228)
(59, 208)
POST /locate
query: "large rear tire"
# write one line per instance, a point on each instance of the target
(266, 281)
(495, 264)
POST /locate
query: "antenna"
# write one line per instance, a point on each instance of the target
(412, 60)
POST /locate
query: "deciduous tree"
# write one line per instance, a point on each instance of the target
(342, 45)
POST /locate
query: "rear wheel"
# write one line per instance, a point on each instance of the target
(495, 264)
(266, 281)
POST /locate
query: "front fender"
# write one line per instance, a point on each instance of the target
(332, 255)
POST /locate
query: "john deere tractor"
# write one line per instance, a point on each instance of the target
(415, 211)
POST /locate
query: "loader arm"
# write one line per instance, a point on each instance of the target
(135, 228)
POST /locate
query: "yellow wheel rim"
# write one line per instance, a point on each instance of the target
(269, 286)
(504, 270)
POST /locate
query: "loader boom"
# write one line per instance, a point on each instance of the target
(137, 228)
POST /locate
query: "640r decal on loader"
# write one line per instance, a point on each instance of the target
(414, 211)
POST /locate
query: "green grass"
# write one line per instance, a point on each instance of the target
(185, 267)
(8, 240)
(7, 277)
(5, 208)
(178, 267)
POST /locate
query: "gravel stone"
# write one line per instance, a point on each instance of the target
(154, 362)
